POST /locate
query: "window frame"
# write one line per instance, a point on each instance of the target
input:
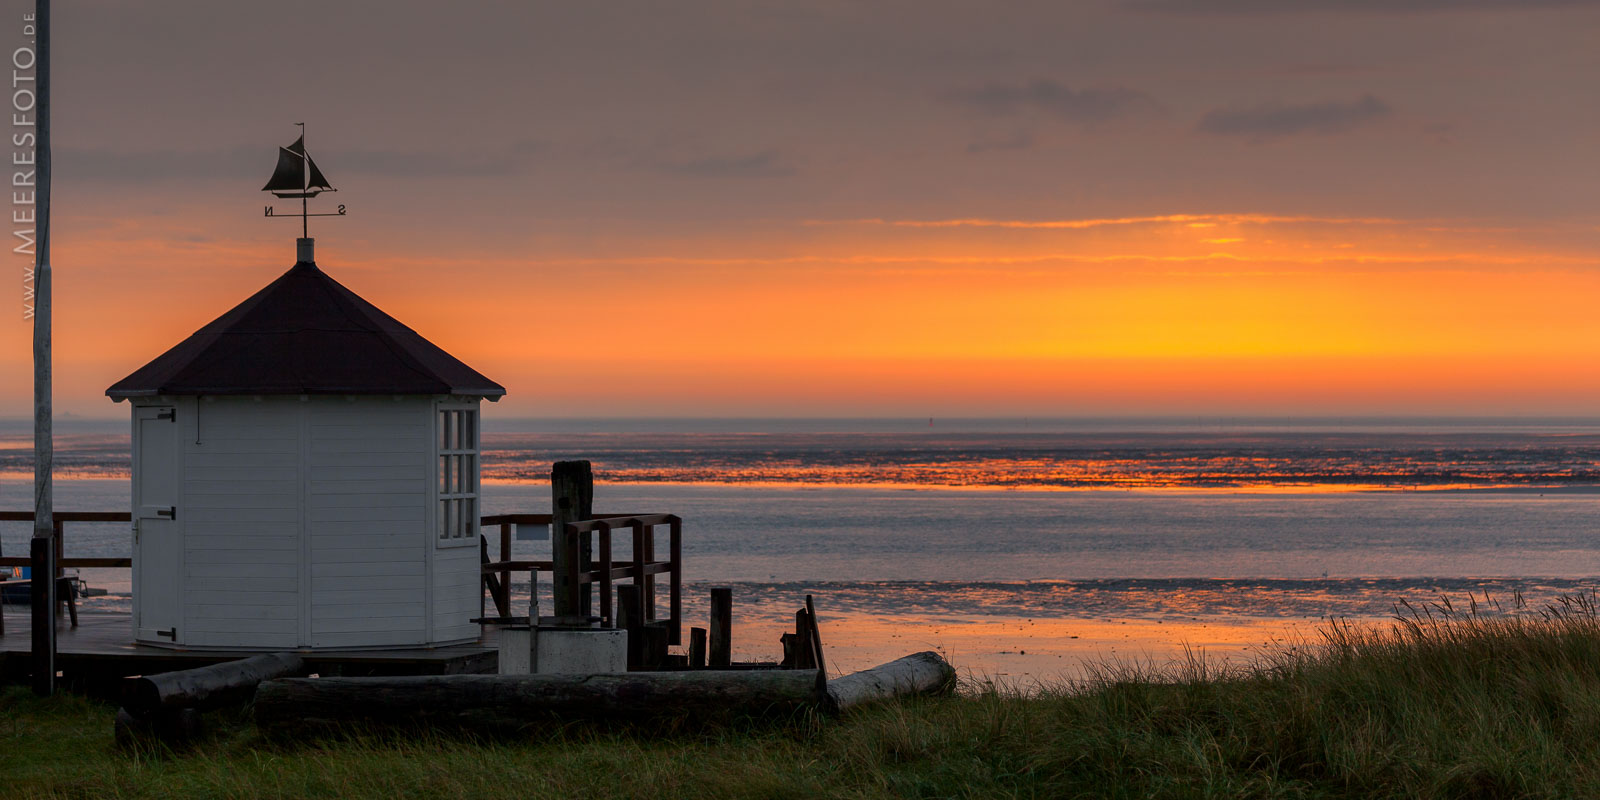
(457, 433)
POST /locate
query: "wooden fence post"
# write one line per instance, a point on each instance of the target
(721, 627)
(697, 648)
(572, 500)
(630, 618)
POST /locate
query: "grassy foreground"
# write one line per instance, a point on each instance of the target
(1444, 704)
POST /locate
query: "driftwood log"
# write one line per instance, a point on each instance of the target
(510, 702)
(166, 707)
(918, 673)
(228, 683)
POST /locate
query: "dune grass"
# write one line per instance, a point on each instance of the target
(1445, 703)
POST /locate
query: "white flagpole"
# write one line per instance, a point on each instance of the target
(43, 544)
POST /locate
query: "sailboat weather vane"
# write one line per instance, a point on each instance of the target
(297, 176)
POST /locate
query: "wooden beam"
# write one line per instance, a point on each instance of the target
(492, 519)
(615, 521)
(17, 561)
(70, 516)
(297, 706)
(514, 519)
(491, 580)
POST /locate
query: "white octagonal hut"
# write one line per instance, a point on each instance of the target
(305, 475)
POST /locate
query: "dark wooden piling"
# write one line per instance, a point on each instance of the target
(816, 638)
(630, 617)
(572, 500)
(697, 648)
(43, 666)
(721, 650)
(803, 657)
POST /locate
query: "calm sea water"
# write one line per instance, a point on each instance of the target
(1026, 521)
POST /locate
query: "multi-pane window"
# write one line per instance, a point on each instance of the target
(458, 472)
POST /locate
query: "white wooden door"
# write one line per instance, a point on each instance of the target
(158, 531)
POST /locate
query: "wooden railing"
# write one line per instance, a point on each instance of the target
(59, 520)
(641, 570)
(603, 571)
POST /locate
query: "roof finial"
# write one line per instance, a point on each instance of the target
(297, 176)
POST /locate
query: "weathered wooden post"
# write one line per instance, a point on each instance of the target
(630, 617)
(803, 658)
(42, 550)
(697, 648)
(817, 658)
(721, 627)
(572, 500)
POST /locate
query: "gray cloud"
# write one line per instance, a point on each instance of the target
(1050, 97)
(162, 166)
(398, 164)
(1275, 119)
(1228, 7)
(255, 163)
(1020, 140)
(765, 164)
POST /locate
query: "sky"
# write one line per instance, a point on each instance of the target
(909, 209)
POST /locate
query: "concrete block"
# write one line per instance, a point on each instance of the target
(581, 651)
(516, 651)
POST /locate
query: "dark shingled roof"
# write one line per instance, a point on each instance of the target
(305, 333)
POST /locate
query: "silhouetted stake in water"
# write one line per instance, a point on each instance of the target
(721, 627)
(697, 648)
(802, 649)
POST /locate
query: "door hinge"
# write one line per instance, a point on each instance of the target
(169, 414)
(170, 512)
(170, 633)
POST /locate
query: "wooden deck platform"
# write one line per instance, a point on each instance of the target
(93, 657)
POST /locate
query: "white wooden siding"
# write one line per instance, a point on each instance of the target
(309, 522)
(367, 520)
(457, 591)
(241, 509)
